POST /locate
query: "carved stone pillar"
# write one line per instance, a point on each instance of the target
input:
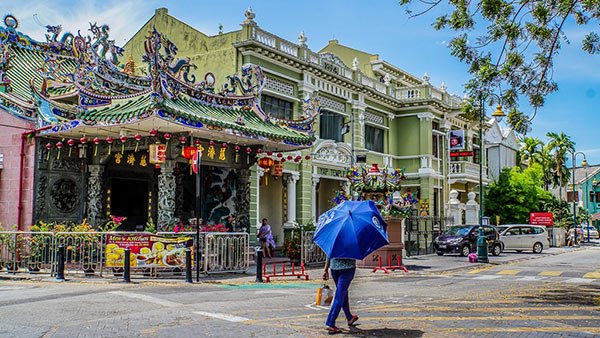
(166, 195)
(291, 181)
(315, 182)
(242, 199)
(94, 194)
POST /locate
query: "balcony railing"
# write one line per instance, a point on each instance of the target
(465, 169)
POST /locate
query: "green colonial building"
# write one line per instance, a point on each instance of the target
(371, 111)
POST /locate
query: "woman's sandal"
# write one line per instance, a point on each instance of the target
(353, 320)
(334, 330)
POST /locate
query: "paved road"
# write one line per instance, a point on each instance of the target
(552, 295)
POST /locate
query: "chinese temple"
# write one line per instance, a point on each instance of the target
(111, 142)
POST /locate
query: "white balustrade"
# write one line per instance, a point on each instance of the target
(288, 48)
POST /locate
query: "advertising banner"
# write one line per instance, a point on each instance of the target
(541, 218)
(457, 139)
(146, 250)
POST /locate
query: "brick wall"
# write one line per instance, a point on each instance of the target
(11, 129)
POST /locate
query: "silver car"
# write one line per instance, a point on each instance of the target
(524, 237)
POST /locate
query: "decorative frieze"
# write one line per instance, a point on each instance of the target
(279, 86)
(373, 118)
(94, 195)
(166, 195)
(332, 104)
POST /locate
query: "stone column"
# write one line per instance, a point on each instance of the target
(291, 181)
(166, 195)
(242, 200)
(455, 208)
(315, 182)
(472, 210)
(94, 195)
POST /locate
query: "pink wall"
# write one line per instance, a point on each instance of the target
(11, 129)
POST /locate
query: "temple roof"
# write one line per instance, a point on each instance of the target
(78, 86)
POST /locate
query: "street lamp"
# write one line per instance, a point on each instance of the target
(482, 251)
(583, 164)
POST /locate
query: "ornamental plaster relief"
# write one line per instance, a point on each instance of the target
(332, 153)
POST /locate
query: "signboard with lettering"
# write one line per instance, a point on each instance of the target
(541, 218)
(146, 250)
(158, 153)
(277, 169)
(461, 153)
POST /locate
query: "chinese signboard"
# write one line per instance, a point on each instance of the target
(541, 218)
(457, 139)
(146, 250)
(158, 153)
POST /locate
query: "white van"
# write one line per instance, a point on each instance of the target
(520, 237)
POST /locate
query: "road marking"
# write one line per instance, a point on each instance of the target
(11, 288)
(559, 329)
(479, 270)
(579, 280)
(550, 273)
(508, 272)
(594, 275)
(531, 279)
(147, 298)
(222, 316)
(488, 277)
(315, 307)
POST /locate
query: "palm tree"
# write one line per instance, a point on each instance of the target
(546, 161)
(530, 150)
(559, 145)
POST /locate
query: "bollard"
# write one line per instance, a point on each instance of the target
(188, 265)
(482, 247)
(259, 265)
(127, 266)
(60, 274)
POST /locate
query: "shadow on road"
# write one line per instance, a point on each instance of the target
(585, 295)
(385, 332)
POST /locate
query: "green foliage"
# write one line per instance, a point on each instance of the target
(514, 45)
(516, 193)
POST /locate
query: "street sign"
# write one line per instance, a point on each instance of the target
(541, 218)
(461, 153)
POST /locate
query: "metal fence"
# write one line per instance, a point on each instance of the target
(36, 252)
(421, 231)
(310, 253)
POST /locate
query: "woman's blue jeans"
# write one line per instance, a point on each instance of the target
(342, 279)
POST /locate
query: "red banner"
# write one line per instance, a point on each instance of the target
(146, 250)
(541, 218)
(461, 153)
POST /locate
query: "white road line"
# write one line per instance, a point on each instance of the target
(11, 287)
(222, 316)
(147, 298)
(315, 307)
(579, 280)
(488, 277)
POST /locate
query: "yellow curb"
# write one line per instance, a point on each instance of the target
(550, 273)
(508, 272)
(595, 275)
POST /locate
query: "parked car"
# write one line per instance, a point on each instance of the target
(462, 239)
(521, 237)
(592, 230)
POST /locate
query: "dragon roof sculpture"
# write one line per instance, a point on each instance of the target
(77, 83)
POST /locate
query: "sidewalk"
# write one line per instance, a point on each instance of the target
(419, 265)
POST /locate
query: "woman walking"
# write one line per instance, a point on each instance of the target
(342, 272)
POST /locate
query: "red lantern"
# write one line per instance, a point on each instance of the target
(137, 138)
(259, 151)
(167, 137)
(123, 140)
(248, 151)
(211, 143)
(266, 163)
(96, 141)
(59, 146)
(289, 157)
(71, 143)
(224, 145)
(197, 142)
(182, 139)
(48, 147)
(237, 153)
(109, 140)
(307, 157)
(188, 152)
(280, 155)
(270, 153)
(282, 160)
(83, 140)
(153, 132)
(237, 148)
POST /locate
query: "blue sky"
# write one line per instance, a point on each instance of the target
(379, 27)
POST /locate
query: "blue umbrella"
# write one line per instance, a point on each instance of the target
(351, 230)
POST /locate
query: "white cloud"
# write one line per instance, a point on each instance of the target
(123, 17)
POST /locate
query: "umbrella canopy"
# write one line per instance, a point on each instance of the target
(353, 229)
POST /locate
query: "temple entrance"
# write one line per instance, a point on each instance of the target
(129, 198)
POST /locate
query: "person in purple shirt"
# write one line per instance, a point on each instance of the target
(266, 238)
